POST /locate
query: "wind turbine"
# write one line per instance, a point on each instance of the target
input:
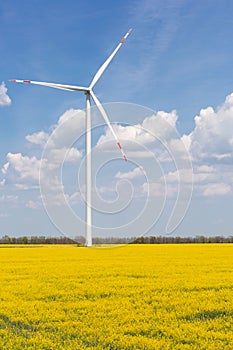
(89, 94)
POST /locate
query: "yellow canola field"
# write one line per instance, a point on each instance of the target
(133, 297)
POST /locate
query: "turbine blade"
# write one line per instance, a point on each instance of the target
(106, 63)
(52, 85)
(104, 115)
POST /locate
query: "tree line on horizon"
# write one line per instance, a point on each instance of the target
(115, 240)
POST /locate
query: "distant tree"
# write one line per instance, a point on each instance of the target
(115, 240)
(25, 240)
(6, 239)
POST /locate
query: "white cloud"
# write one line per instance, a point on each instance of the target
(211, 139)
(154, 189)
(181, 175)
(210, 143)
(24, 171)
(26, 167)
(64, 133)
(5, 168)
(201, 174)
(186, 139)
(158, 122)
(74, 116)
(207, 180)
(68, 130)
(61, 155)
(205, 169)
(38, 138)
(135, 173)
(159, 189)
(217, 189)
(158, 127)
(75, 198)
(4, 98)
(132, 133)
(32, 204)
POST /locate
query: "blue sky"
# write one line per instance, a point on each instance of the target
(177, 60)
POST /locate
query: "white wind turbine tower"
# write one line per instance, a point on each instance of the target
(89, 93)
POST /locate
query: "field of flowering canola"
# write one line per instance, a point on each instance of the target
(133, 297)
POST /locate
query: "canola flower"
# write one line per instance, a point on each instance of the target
(133, 297)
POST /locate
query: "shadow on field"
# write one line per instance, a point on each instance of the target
(207, 315)
(16, 326)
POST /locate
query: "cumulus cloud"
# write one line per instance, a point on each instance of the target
(155, 137)
(135, 173)
(38, 138)
(210, 145)
(68, 130)
(157, 127)
(208, 180)
(217, 189)
(155, 189)
(4, 98)
(5, 168)
(25, 171)
(32, 204)
(61, 155)
(70, 126)
(22, 170)
(27, 167)
(211, 140)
